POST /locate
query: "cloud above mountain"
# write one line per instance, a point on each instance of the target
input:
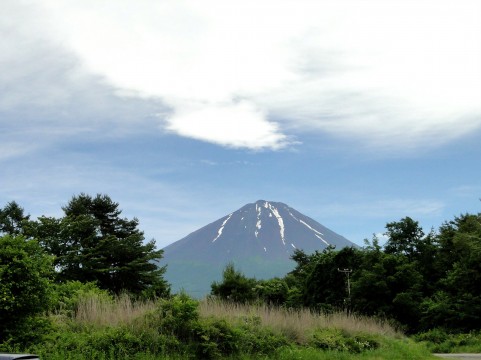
(249, 74)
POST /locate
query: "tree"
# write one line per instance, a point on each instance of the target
(273, 291)
(235, 286)
(92, 242)
(25, 274)
(325, 285)
(12, 219)
(457, 302)
(404, 237)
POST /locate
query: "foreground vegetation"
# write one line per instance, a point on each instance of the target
(88, 286)
(97, 326)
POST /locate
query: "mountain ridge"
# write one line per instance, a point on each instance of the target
(259, 239)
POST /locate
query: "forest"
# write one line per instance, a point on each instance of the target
(92, 261)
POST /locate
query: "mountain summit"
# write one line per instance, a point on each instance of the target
(259, 239)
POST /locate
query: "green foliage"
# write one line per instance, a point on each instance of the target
(214, 338)
(439, 340)
(177, 315)
(273, 291)
(391, 349)
(317, 276)
(175, 330)
(421, 281)
(256, 339)
(456, 303)
(93, 243)
(335, 339)
(67, 295)
(235, 286)
(25, 287)
(12, 219)
(99, 343)
(404, 237)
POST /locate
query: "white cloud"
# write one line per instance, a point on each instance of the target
(398, 74)
(47, 96)
(234, 125)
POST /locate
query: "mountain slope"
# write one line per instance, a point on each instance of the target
(259, 239)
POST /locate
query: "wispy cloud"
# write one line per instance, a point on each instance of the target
(47, 96)
(167, 211)
(395, 74)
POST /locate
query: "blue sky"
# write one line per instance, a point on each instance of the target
(356, 113)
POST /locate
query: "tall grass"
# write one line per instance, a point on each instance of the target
(101, 311)
(296, 324)
(121, 327)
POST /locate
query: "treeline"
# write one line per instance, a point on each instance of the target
(422, 281)
(45, 263)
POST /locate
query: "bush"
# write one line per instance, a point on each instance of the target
(438, 340)
(25, 272)
(69, 294)
(177, 315)
(260, 340)
(338, 340)
(214, 338)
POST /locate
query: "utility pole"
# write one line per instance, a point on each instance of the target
(347, 272)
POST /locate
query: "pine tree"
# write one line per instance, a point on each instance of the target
(92, 242)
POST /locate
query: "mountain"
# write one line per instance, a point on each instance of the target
(259, 239)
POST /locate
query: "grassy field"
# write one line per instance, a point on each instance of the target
(183, 328)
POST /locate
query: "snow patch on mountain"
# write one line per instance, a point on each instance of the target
(292, 214)
(219, 232)
(280, 221)
(306, 224)
(324, 241)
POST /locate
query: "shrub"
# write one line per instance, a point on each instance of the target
(336, 339)
(214, 338)
(177, 315)
(25, 272)
(438, 340)
(68, 295)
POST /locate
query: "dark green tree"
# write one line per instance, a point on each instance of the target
(327, 287)
(317, 280)
(12, 219)
(92, 242)
(273, 291)
(235, 286)
(404, 237)
(457, 302)
(25, 282)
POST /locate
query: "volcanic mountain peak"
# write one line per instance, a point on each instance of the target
(266, 221)
(259, 239)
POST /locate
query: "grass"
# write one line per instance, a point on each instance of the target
(297, 324)
(182, 328)
(101, 311)
(440, 341)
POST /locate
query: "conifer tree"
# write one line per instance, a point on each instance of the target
(93, 242)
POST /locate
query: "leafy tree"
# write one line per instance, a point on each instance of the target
(457, 302)
(273, 291)
(317, 282)
(404, 237)
(25, 274)
(92, 242)
(12, 219)
(326, 286)
(235, 286)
